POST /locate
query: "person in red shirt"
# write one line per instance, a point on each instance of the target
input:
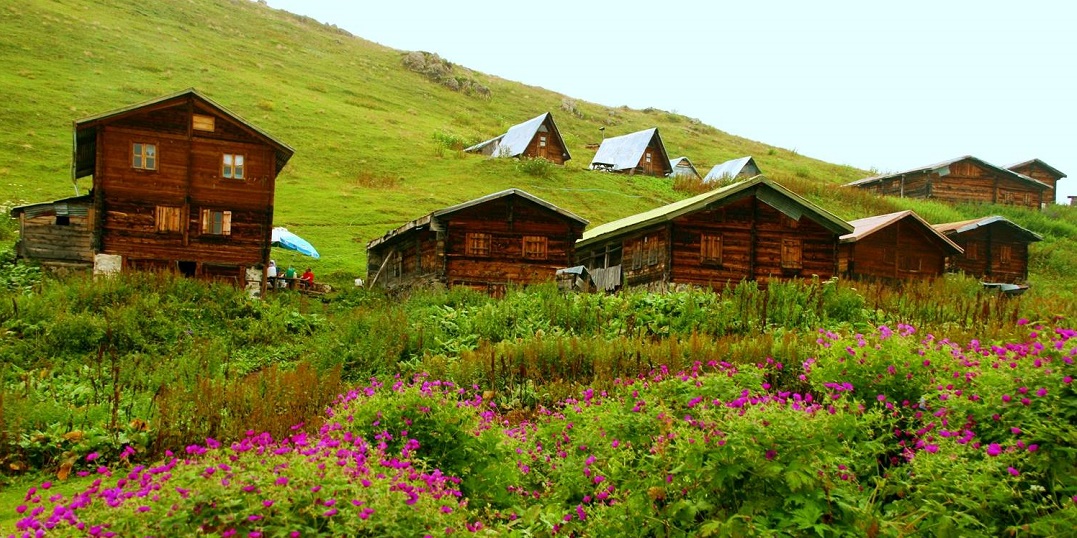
(307, 280)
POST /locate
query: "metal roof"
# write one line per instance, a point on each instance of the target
(427, 219)
(768, 191)
(483, 144)
(729, 169)
(85, 130)
(675, 163)
(963, 226)
(940, 166)
(515, 141)
(1051, 169)
(624, 152)
(869, 225)
(44, 207)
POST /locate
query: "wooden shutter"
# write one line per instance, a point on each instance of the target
(792, 254)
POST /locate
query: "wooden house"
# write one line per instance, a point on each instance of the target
(641, 152)
(682, 167)
(537, 137)
(508, 237)
(733, 170)
(995, 249)
(58, 235)
(752, 230)
(179, 183)
(895, 246)
(964, 179)
(1042, 172)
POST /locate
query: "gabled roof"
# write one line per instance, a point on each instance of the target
(729, 169)
(963, 226)
(85, 154)
(427, 219)
(769, 192)
(1052, 170)
(61, 204)
(624, 152)
(866, 226)
(515, 141)
(942, 168)
(674, 163)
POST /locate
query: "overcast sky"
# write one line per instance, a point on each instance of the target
(885, 85)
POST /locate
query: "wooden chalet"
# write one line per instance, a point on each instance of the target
(964, 179)
(682, 167)
(641, 152)
(995, 249)
(1042, 172)
(179, 183)
(895, 246)
(508, 237)
(752, 230)
(535, 138)
(58, 235)
(733, 170)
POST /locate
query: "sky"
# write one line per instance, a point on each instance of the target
(887, 86)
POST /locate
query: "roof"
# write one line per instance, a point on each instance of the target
(866, 226)
(943, 169)
(1054, 171)
(43, 207)
(728, 169)
(515, 141)
(963, 226)
(674, 163)
(427, 219)
(85, 137)
(770, 192)
(624, 152)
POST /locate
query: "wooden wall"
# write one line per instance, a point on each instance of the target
(1036, 171)
(43, 240)
(993, 252)
(553, 150)
(901, 251)
(968, 181)
(416, 259)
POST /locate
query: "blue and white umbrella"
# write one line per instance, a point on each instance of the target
(282, 238)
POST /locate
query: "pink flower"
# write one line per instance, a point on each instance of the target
(1013, 471)
(993, 449)
(1041, 392)
(771, 454)
(92, 456)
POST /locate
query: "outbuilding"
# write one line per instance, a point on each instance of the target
(537, 137)
(995, 248)
(895, 246)
(641, 152)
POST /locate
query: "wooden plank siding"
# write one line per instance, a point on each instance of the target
(41, 238)
(993, 252)
(547, 145)
(1044, 175)
(965, 180)
(902, 251)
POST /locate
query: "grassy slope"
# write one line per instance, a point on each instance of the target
(362, 125)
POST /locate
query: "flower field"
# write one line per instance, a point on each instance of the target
(892, 433)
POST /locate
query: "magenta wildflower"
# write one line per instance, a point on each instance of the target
(1007, 398)
(1033, 447)
(994, 449)
(1013, 471)
(1041, 392)
(92, 456)
(771, 454)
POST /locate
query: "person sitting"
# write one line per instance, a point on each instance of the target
(271, 274)
(307, 280)
(289, 276)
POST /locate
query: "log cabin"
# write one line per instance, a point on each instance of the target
(501, 239)
(752, 230)
(733, 170)
(995, 249)
(964, 179)
(537, 137)
(682, 167)
(1042, 172)
(895, 246)
(58, 235)
(642, 152)
(179, 183)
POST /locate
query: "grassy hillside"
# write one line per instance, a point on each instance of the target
(374, 140)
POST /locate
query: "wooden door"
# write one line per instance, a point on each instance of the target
(543, 146)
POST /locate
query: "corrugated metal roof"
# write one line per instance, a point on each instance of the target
(941, 165)
(75, 206)
(624, 152)
(427, 219)
(869, 225)
(515, 141)
(728, 170)
(972, 224)
(478, 147)
(681, 167)
(85, 131)
(756, 185)
(1049, 168)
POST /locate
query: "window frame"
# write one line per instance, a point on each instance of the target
(535, 247)
(138, 151)
(210, 224)
(710, 249)
(229, 170)
(478, 244)
(788, 263)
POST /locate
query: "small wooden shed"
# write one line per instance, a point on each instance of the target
(682, 167)
(752, 230)
(995, 249)
(58, 234)
(1042, 172)
(964, 179)
(508, 237)
(642, 152)
(537, 137)
(733, 170)
(895, 246)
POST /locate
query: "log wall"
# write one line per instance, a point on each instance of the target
(901, 251)
(993, 253)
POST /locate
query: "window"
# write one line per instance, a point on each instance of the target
(1005, 253)
(542, 141)
(792, 254)
(652, 254)
(972, 251)
(167, 219)
(647, 157)
(397, 265)
(710, 249)
(216, 222)
(63, 220)
(535, 247)
(232, 166)
(144, 156)
(911, 264)
(637, 256)
(478, 244)
(201, 122)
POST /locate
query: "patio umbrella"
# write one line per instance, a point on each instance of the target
(284, 239)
